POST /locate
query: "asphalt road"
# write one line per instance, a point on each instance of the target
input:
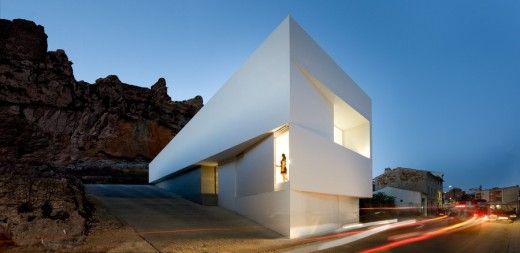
(486, 237)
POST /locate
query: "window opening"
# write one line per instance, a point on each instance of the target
(281, 140)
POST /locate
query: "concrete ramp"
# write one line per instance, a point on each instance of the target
(171, 223)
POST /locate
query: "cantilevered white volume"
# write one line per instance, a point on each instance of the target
(288, 98)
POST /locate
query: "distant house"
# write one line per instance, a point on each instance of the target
(288, 98)
(506, 195)
(454, 195)
(405, 198)
(428, 183)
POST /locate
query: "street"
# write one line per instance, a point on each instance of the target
(482, 237)
(170, 223)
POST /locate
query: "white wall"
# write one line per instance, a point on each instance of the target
(267, 92)
(329, 169)
(348, 210)
(255, 169)
(269, 209)
(307, 53)
(347, 122)
(310, 108)
(255, 100)
(254, 184)
(318, 164)
(227, 184)
(358, 139)
(313, 213)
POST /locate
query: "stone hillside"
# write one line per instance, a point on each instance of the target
(103, 132)
(58, 133)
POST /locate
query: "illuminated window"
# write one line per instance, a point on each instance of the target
(351, 129)
(281, 142)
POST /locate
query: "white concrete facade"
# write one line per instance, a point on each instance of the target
(288, 97)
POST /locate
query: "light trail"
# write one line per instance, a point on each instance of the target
(419, 222)
(331, 236)
(412, 234)
(311, 247)
(422, 237)
(389, 208)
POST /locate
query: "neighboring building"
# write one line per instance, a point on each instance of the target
(453, 195)
(405, 198)
(288, 98)
(428, 183)
(507, 195)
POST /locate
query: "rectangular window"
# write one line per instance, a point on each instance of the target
(281, 149)
(351, 129)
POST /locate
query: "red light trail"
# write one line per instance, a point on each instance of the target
(421, 237)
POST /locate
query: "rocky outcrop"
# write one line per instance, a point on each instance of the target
(92, 130)
(61, 130)
(22, 39)
(48, 211)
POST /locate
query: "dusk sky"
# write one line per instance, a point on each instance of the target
(444, 76)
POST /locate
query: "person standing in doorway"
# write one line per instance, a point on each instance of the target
(283, 168)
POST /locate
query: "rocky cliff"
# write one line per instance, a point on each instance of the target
(50, 121)
(58, 132)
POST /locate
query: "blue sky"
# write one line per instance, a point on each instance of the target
(444, 76)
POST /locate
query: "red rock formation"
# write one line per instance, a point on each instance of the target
(48, 118)
(56, 130)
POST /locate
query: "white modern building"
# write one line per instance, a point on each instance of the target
(288, 98)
